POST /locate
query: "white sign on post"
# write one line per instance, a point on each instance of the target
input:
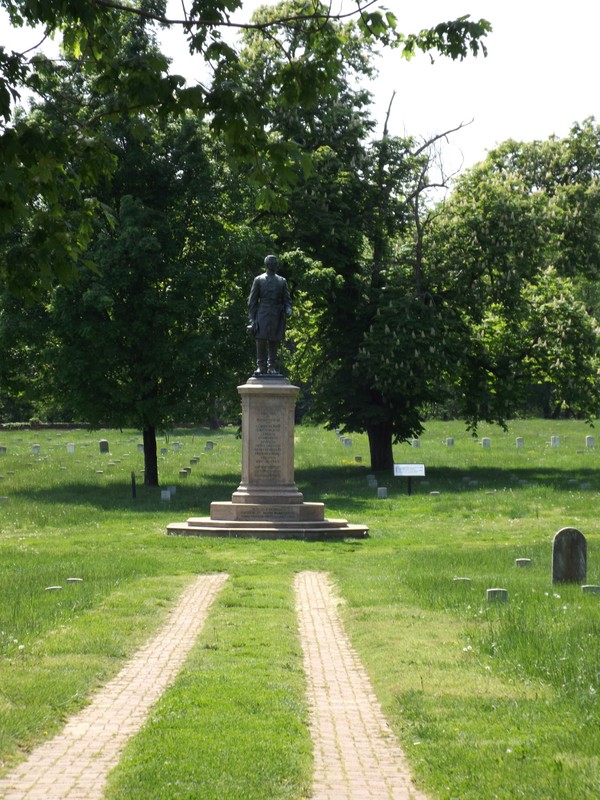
(409, 470)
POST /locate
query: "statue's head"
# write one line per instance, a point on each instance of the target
(271, 263)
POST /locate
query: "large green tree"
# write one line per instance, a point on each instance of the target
(49, 173)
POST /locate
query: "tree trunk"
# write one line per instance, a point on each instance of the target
(150, 460)
(380, 446)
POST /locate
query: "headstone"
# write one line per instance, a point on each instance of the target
(486, 442)
(522, 562)
(459, 579)
(103, 443)
(163, 451)
(382, 493)
(372, 481)
(183, 473)
(176, 446)
(74, 580)
(52, 588)
(172, 490)
(569, 556)
(3, 499)
(2, 450)
(194, 460)
(449, 442)
(590, 588)
(347, 441)
(589, 441)
(358, 459)
(165, 494)
(140, 448)
(70, 447)
(209, 446)
(520, 442)
(36, 449)
(554, 441)
(497, 595)
(415, 443)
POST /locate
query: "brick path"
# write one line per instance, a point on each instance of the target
(74, 764)
(356, 754)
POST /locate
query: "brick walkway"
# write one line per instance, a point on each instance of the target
(356, 754)
(74, 765)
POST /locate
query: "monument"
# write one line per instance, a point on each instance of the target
(267, 504)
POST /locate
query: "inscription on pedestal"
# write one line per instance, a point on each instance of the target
(267, 465)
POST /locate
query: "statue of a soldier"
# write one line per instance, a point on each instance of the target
(269, 305)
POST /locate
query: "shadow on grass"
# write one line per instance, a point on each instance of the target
(344, 487)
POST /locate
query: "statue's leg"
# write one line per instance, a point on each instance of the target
(272, 362)
(261, 356)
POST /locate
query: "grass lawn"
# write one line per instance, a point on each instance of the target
(489, 701)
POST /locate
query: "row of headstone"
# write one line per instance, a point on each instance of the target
(519, 442)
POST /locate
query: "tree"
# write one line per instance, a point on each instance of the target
(48, 203)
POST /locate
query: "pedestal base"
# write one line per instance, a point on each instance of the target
(306, 531)
(267, 503)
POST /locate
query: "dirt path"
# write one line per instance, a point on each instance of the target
(74, 764)
(356, 754)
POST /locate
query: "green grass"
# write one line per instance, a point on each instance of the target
(488, 701)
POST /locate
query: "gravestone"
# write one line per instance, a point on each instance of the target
(209, 446)
(415, 443)
(569, 556)
(103, 444)
(589, 441)
(449, 442)
(36, 449)
(554, 441)
(590, 588)
(165, 494)
(176, 446)
(486, 442)
(522, 562)
(382, 493)
(2, 450)
(70, 447)
(520, 442)
(163, 451)
(497, 595)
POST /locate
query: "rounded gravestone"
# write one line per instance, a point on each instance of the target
(569, 556)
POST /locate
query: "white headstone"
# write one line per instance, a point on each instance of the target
(382, 493)
(415, 443)
(589, 441)
(70, 447)
(520, 442)
(554, 441)
(36, 449)
(486, 442)
(165, 494)
(449, 442)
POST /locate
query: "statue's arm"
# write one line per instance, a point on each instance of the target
(287, 300)
(253, 300)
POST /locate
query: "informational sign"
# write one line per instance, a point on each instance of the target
(409, 470)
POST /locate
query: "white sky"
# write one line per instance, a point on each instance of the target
(539, 77)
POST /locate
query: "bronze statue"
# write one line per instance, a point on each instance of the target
(269, 305)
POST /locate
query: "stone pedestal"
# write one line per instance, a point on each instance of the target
(267, 503)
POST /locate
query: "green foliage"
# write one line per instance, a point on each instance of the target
(49, 205)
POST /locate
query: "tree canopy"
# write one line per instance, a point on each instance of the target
(49, 172)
